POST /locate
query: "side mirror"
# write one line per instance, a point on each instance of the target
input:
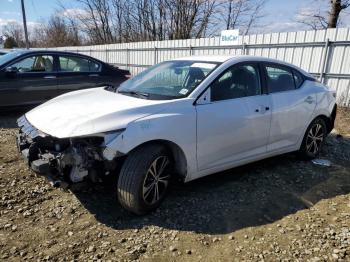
(11, 71)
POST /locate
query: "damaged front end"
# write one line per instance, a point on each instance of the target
(69, 159)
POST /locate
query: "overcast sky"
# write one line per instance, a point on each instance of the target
(280, 14)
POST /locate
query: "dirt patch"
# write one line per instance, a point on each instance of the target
(277, 209)
(343, 121)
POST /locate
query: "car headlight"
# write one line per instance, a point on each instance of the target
(109, 153)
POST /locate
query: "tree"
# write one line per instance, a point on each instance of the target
(336, 7)
(116, 21)
(10, 43)
(96, 20)
(321, 16)
(14, 30)
(242, 14)
(56, 32)
(110, 21)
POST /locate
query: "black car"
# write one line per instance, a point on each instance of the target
(30, 77)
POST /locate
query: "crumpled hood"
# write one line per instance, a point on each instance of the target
(90, 111)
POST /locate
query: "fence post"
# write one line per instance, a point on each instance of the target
(191, 49)
(244, 48)
(325, 61)
(127, 58)
(106, 50)
(155, 55)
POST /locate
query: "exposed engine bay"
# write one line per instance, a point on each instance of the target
(69, 159)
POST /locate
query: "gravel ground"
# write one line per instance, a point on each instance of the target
(279, 209)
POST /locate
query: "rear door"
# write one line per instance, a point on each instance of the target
(292, 105)
(76, 72)
(32, 81)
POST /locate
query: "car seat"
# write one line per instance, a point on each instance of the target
(48, 65)
(39, 64)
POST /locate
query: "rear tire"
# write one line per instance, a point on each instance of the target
(144, 179)
(313, 140)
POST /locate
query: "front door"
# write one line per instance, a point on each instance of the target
(235, 125)
(32, 81)
(9, 87)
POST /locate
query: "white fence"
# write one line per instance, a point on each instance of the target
(324, 53)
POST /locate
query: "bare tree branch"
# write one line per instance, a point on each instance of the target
(319, 17)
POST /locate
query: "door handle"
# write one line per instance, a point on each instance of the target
(94, 75)
(262, 109)
(49, 77)
(309, 100)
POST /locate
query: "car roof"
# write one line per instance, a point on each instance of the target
(206, 58)
(39, 51)
(240, 58)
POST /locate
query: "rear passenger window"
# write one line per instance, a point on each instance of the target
(77, 64)
(279, 79)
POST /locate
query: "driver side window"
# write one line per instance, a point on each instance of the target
(39, 63)
(237, 81)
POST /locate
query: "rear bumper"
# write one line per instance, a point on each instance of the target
(332, 118)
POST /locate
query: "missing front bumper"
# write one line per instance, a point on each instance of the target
(68, 159)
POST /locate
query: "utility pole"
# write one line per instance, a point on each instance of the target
(25, 24)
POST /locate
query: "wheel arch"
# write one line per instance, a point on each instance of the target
(180, 161)
(329, 120)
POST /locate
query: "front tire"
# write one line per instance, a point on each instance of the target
(144, 179)
(313, 139)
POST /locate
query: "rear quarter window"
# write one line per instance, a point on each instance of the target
(298, 79)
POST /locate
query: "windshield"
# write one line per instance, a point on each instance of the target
(168, 80)
(8, 57)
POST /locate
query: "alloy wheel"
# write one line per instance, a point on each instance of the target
(314, 139)
(156, 180)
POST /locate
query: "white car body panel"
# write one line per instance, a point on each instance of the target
(212, 136)
(89, 111)
(291, 112)
(237, 132)
(176, 124)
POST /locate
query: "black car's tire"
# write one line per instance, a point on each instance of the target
(145, 172)
(313, 139)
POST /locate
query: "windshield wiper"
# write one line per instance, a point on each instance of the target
(134, 93)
